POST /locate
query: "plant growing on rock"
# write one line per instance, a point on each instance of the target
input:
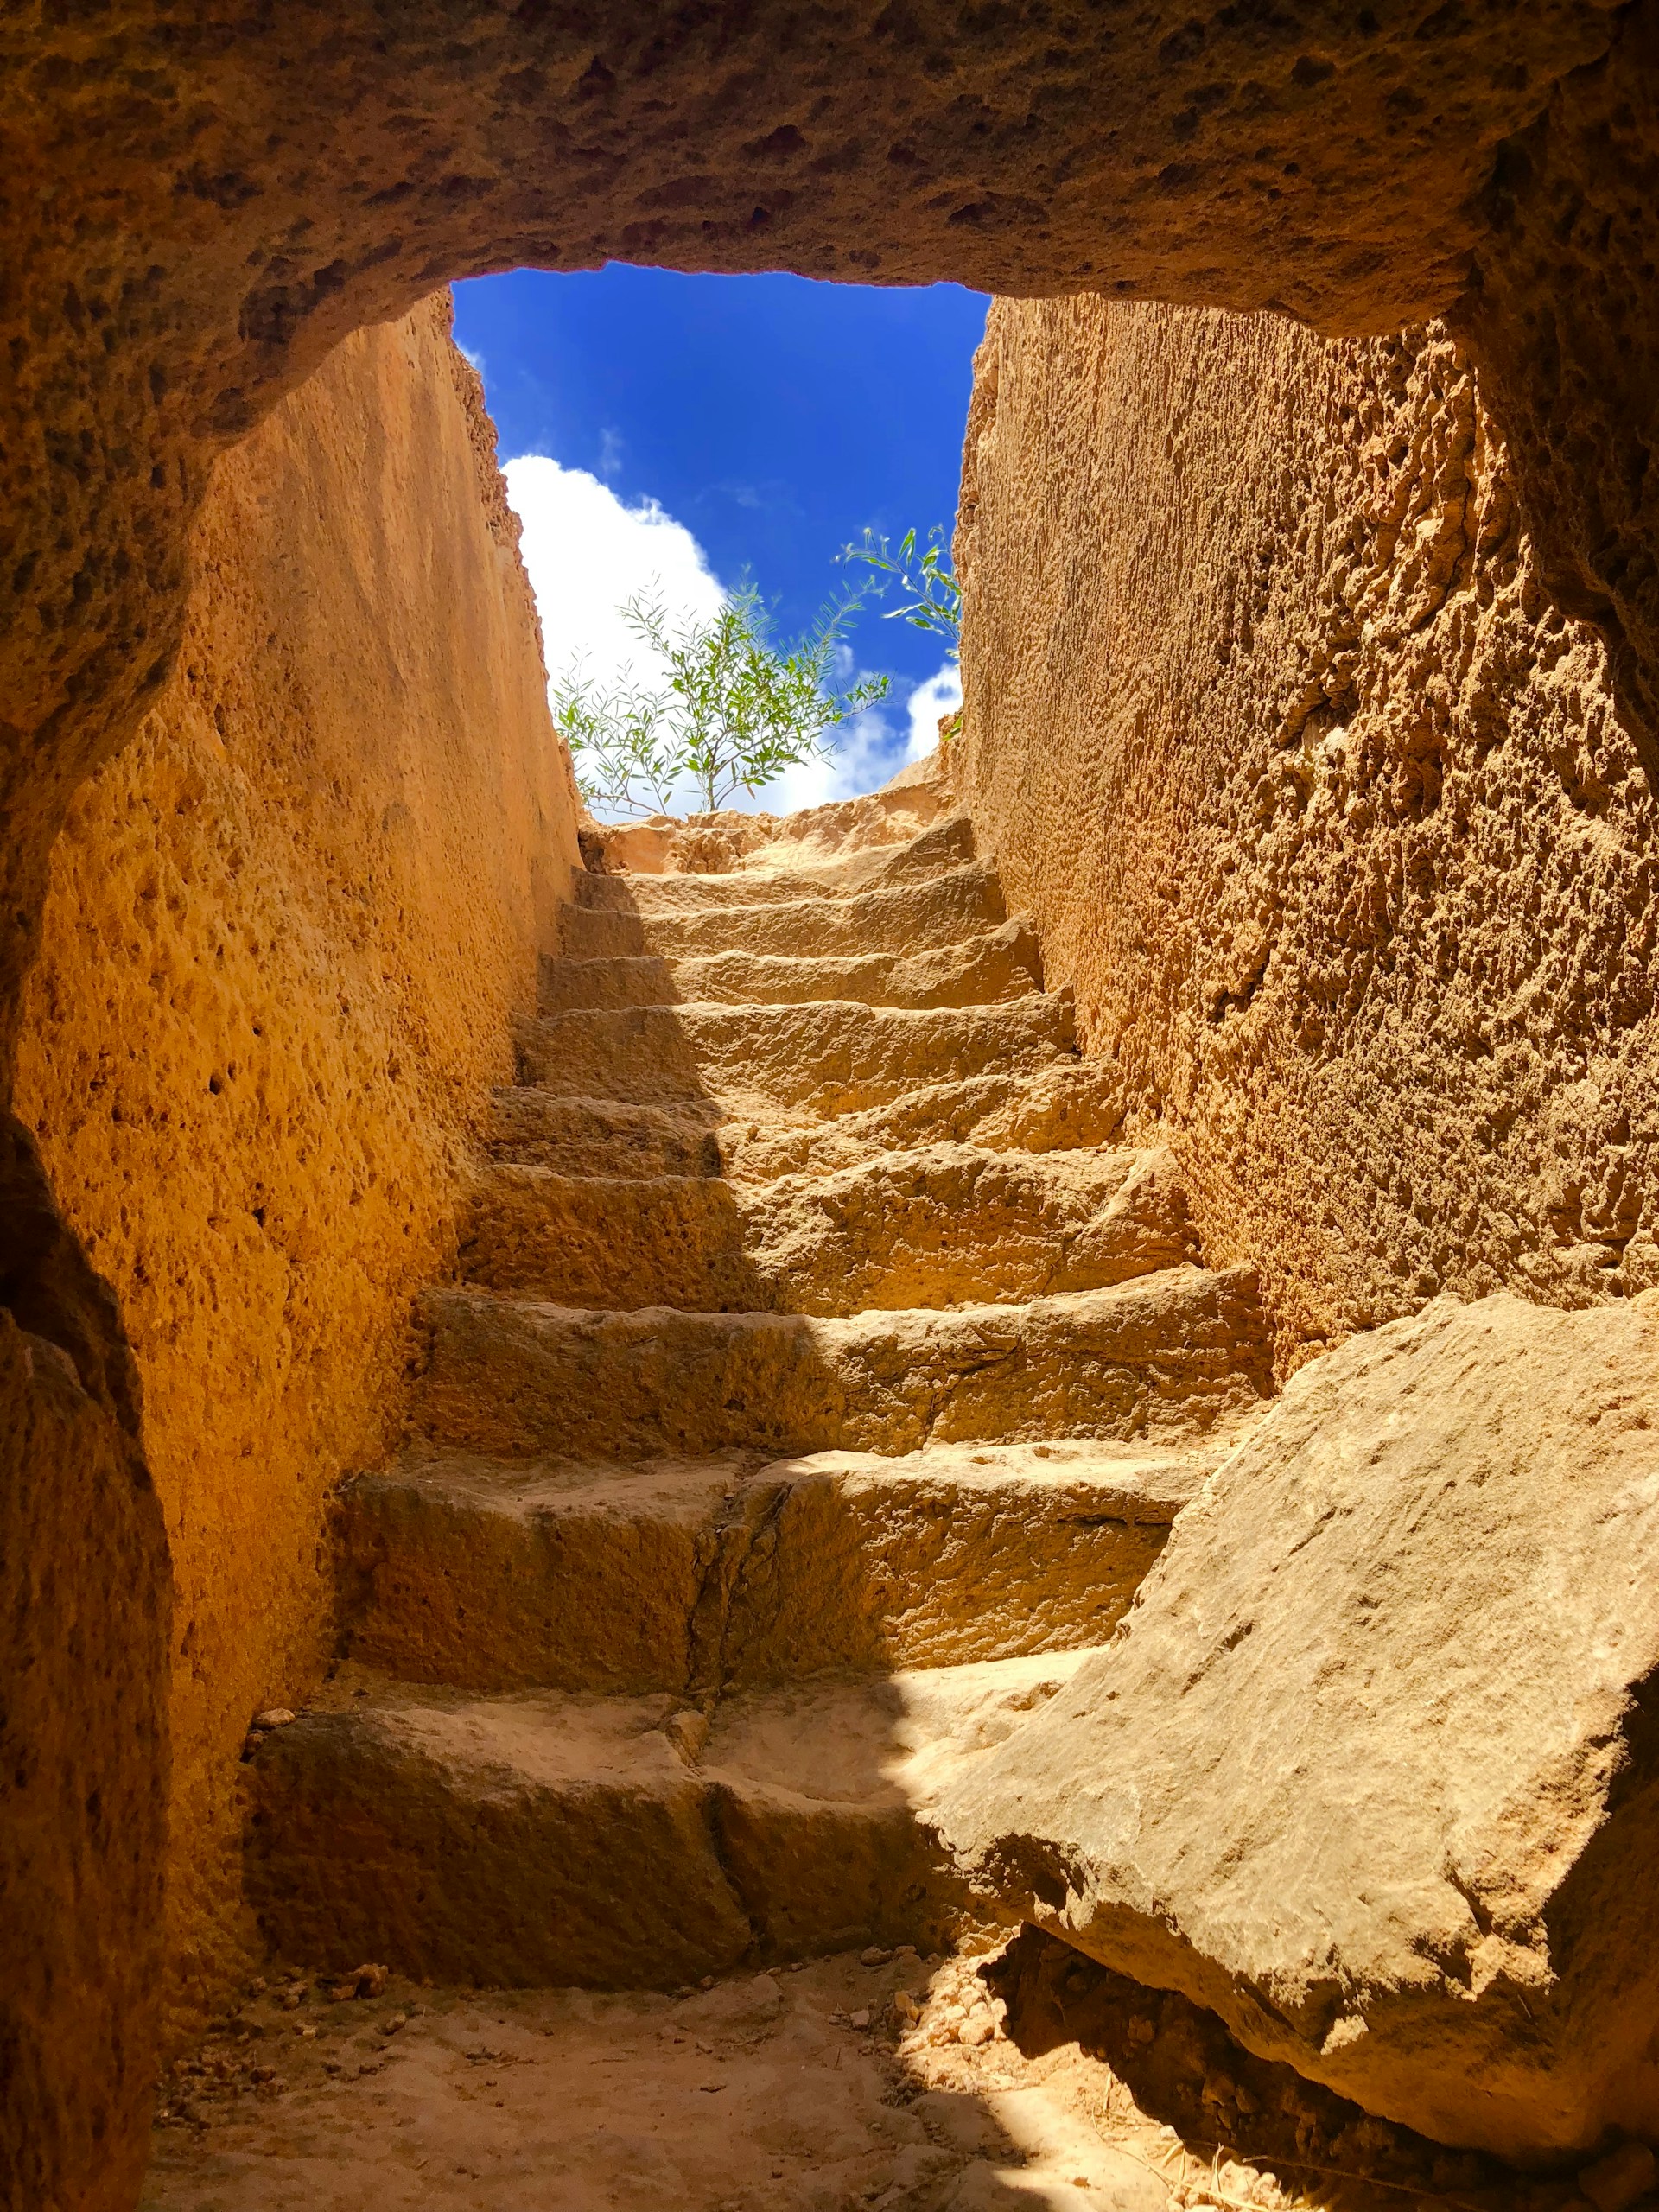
(736, 709)
(932, 599)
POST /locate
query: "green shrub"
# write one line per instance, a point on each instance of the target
(735, 712)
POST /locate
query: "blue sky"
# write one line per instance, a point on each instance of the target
(698, 426)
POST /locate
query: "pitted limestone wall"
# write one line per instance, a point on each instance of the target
(1325, 807)
(284, 934)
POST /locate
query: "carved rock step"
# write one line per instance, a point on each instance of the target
(700, 1574)
(942, 1226)
(982, 970)
(602, 1136)
(898, 918)
(598, 933)
(833, 1059)
(948, 845)
(1167, 1357)
(540, 1838)
(1069, 1104)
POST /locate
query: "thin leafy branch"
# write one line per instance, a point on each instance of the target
(625, 759)
(932, 599)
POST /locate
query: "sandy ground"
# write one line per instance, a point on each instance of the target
(899, 2083)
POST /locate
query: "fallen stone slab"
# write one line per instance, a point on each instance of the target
(1372, 1769)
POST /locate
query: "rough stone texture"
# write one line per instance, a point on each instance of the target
(977, 971)
(83, 1721)
(1371, 1770)
(284, 936)
(901, 918)
(692, 1575)
(944, 1225)
(1172, 1355)
(836, 1056)
(1324, 809)
(1069, 1105)
(838, 864)
(659, 1701)
(844, 831)
(758, 2091)
(480, 1838)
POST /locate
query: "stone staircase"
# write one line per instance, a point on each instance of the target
(819, 1387)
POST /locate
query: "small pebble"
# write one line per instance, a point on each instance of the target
(275, 1716)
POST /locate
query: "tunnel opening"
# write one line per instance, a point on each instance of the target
(196, 223)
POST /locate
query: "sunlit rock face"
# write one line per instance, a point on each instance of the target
(284, 934)
(1370, 1771)
(1332, 817)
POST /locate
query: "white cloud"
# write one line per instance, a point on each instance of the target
(587, 553)
(940, 695)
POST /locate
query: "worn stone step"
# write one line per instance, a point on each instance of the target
(600, 1136)
(590, 933)
(901, 917)
(942, 1226)
(831, 1059)
(686, 1575)
(983, 970)
(1066, 1105)
(947, 845)
(545, 1839)
(1169, 1357)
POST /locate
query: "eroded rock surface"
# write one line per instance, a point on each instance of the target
(1371, 1770)
(1334, 823)
(284, 936)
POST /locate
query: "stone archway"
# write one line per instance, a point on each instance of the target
(200, 203)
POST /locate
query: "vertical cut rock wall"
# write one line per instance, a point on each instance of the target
(1324, 809)
(285, 932)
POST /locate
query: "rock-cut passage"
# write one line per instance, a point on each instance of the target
(819, 1385)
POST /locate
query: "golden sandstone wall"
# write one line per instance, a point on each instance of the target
(285, 931)
(1322, 805)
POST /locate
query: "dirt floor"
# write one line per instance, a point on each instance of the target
(966, 2084)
